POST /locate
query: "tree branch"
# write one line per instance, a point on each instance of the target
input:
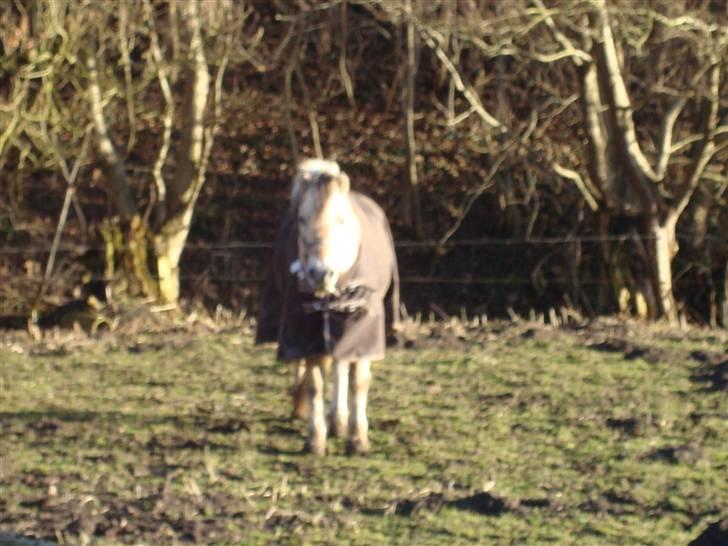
(578, 56)
(168, 117)
(598, 157)
(707, 146)
(620, 99)
(468, 92)
(575, 177)
(473, 195)
(343, 70)
(184, 186)
(121, 193)
(126, 64)
(288, 93)
(310, 112)
(412, 209)
(720, 130)
(212, 129)
(668, 126)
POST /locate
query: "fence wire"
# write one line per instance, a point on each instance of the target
(81, 248)
(220, 268)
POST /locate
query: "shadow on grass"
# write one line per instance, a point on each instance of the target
(713, 370)
(189, 432)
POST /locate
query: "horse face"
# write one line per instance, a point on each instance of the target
(328, 232)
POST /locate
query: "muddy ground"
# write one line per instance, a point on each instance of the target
(503, 433)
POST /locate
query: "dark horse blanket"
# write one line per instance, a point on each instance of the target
(359, 318)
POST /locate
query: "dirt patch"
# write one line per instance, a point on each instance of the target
(8, 539)
(482, 503)
(611, 502)
(160, 517)
(486, 504)
(425, 501)
(226, 425)
(630, 426)
(632, 351)
(435, 336)
(713, 370)
(677, 455)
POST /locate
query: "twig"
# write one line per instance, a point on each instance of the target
(126, 64)
(470, 200)
(312, 118)
(343, 70)
(468, 92)
(168, 119)
(575, 177)
(70, 177)
(578, 56)
(33, 318)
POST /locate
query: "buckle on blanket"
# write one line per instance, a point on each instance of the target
(351, 298)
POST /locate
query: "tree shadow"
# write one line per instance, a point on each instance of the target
(712, 372)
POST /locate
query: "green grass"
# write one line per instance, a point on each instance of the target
(185, 438)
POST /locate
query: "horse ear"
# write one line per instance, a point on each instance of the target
(295, 190)
(299, 180)
(344, 183)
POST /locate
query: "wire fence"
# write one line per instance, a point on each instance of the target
(238, 270)
(404, 244)
(221, 267)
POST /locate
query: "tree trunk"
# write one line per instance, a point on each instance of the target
(178, 197)
(606, 287)
(168, 246)
(664, 248)
(130, 248)
(194, 150)
(411, 205)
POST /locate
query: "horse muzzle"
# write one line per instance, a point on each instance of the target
(316, 278)
(321, 279)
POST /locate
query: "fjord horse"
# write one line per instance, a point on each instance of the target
(332, 297)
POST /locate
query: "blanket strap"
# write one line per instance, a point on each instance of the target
(327, 331)
(348, 300)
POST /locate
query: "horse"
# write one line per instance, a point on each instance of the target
(331, 299)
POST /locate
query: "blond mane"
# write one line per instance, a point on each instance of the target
(310, 169)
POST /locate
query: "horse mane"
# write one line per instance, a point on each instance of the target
(309, 170)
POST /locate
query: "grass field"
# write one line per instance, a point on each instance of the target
(516, 434)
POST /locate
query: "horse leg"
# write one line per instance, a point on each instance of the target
(298, 391)
(339, 410)
(314, 380)
(360, 378)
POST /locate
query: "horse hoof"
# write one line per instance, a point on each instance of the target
(314, 448)
(357, 447)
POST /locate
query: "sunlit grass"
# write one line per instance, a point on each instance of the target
(196, 427)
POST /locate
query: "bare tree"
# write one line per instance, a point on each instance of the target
(533, 118)
(620, 176)
(200, 113)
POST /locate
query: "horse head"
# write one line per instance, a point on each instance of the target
(328, 229)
